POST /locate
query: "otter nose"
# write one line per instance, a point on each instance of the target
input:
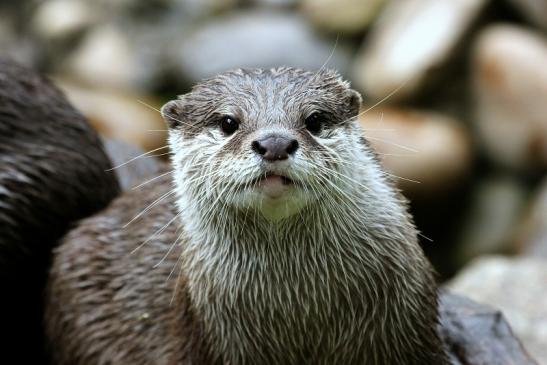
(275, 147)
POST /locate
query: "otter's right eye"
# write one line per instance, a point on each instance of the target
(229, 125)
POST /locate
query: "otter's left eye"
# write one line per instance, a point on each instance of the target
(314, 123)
(229, 125)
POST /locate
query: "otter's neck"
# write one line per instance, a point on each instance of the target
(300, 289)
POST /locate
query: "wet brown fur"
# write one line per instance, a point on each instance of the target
(52, 173)
(107, 305)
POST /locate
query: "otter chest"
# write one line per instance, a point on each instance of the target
(301, 310)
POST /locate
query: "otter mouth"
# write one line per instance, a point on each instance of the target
(273, 185)
(271, 177)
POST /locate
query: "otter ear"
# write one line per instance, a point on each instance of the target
(354, 102)
(172, 113)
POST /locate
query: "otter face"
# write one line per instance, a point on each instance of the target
(266, 140)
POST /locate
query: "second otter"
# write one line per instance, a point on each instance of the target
(281, 242)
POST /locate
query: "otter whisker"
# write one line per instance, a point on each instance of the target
(394, 154)
(159, 111)
(156, 233)
(153, 179)
(393, 144)
(328, 170)
(393, 92)
(424, 236)
(137, 157)
(150, 207)
(329, 57)
(177, 284)
(169, 250)
(402, 178)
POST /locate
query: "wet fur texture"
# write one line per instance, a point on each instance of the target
(52, 173)
(339, 278)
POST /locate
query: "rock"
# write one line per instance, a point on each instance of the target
(410, 40)
(132, 165)
(202, 8)
(63, 18)
(254, 39)
(15, 46)
(510, 89)
(120, 115)
(533, 231)
(345, 16)
(497, 204)
(430, 152)
(475, 334)
(276, 3)
(196, 9)
(518, 287)
(534, 10)
(105, 58)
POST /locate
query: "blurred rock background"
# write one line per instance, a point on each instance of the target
(455, 103)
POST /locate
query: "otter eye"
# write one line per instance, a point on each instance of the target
(314, 123)
(229, 125)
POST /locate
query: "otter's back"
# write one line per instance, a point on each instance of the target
(112, 287)
(52, 173)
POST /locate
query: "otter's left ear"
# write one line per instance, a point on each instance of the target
(354, 102)
(172, 113)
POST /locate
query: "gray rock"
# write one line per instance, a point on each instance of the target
(534, 10)
(15, 46)
(533, 231)
(411, 39)
(342, 16)
(157, 10)
(253, 39)
(510, 89)
(496, 207)
(518, 287)
(61, 19)
(275, 3)
(476, 334)
(132, 166)
(104, 58)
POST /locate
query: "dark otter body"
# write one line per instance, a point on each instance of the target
(287, 243)
(127, 310)
(52, 173)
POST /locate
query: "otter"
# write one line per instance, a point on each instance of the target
(276, 238)
(52, 173)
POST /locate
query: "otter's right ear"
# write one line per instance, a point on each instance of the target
(172, 113)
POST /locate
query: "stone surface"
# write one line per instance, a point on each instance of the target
(276, 3)
(63, 18)
(132, 165)
(342, 16)
(476, 334)
(497, 203)
(510, 88)
(518, 287)
(430, 152)
(534, 10)
(254, 39)
(15, 46)
(411, 40)
(104, 58)
(533, 231)
(118, 115)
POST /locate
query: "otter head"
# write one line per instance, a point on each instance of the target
(271, 141)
